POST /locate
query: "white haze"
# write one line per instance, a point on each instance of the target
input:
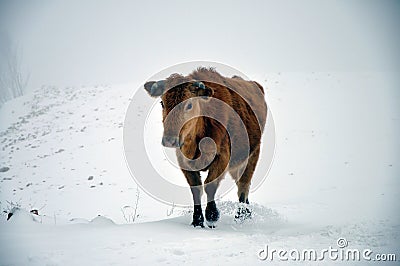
(70, 43)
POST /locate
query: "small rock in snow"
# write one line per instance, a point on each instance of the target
(4, 169)
(101, 220)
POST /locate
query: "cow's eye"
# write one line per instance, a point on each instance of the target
(162, 104)
(189, 106)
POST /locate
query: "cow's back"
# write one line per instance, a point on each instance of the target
(246, 98)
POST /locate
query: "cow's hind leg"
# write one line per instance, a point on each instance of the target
(215, 175)
(194, 180)
(243, 183)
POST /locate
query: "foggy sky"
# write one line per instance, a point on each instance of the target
(72, 43)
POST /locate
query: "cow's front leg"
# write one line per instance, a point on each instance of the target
(212, 212)
(194, 180)
(215, 175)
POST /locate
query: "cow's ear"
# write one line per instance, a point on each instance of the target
(154, 88)
(147, 86)
(202, 90)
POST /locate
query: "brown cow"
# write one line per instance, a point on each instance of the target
(206, 106)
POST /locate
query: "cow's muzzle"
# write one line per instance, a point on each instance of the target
(171, 142)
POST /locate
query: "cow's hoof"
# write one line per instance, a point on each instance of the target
(212, 214)
(242, 214)
(211, 224)
(198, 218)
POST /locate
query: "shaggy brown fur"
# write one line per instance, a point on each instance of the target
(247, 100)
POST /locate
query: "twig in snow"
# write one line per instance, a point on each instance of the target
(170, 212)
(129, 212)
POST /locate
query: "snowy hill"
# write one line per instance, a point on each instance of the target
(335, 175)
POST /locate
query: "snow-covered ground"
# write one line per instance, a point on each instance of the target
(335, 175)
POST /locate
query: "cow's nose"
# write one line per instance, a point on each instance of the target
(170, 141)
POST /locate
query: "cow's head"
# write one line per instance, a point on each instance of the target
(181, 109)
